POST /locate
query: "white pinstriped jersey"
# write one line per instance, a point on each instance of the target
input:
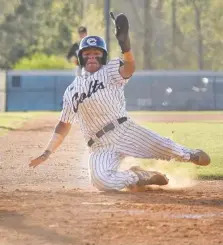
(94, 100)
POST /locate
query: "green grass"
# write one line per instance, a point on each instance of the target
(175, 113)
(13, 120)
(202, 135)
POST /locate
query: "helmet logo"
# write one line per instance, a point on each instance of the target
(92, 41)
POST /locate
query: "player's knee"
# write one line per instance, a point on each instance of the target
(104, 184)
(101, 185)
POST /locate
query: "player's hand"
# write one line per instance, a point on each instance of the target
(122, 31)
(35, 162)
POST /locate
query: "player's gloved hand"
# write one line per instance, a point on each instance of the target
(122, 31)
(35, 162)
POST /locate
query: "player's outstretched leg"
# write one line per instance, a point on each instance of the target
(143, 143)
(105, 176)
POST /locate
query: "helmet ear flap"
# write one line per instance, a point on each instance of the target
(104, 58)
(80, 58)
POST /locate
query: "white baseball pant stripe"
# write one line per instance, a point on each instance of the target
(128, 139)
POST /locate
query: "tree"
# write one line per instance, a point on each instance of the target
(37, 26)
(20, 31)
(174, 29)
(7, 7)
(198, 11)
(148, 36)
(165, 34)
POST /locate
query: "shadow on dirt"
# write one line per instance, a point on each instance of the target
(17, 222)
(153, 197)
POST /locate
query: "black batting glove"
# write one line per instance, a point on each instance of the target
(122, 31)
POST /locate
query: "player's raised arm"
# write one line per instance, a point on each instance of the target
(122, 35)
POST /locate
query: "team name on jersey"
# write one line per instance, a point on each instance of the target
(77, 98)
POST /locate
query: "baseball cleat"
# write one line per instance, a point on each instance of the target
(149, 177)
(199, 157)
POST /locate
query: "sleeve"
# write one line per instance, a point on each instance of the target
(113, 71)
(67, 114)
(73, 51)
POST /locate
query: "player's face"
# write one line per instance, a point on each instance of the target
(82, 35)
(92, 59)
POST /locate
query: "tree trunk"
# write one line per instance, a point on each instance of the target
(147, 47)
(200, 58)
(159, 8)
(81, 10)
(174, 29)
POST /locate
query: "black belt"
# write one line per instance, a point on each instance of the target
(105, 129)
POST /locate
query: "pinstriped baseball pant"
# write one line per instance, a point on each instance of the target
(128, 139)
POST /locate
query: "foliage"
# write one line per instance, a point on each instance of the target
(191, 134)
(49, 26)
(37, 26)
(40, 61)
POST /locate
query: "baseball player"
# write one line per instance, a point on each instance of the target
(96, 100)
(73, 52)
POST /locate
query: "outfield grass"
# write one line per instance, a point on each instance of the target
(13, 120)
(203, 135)
(175, 113)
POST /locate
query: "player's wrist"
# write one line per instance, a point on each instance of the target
(128, 56)
(47, 153)
(125, 45)
(54, 142)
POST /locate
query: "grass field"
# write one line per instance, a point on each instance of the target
(204, 135)
(13, 120)
(176, 112)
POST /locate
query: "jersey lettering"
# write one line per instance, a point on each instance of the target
(93, 88)
(100, 108)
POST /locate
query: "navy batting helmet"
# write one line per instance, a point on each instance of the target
(92, 42)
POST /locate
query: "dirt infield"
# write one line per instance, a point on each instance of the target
(55, 203)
